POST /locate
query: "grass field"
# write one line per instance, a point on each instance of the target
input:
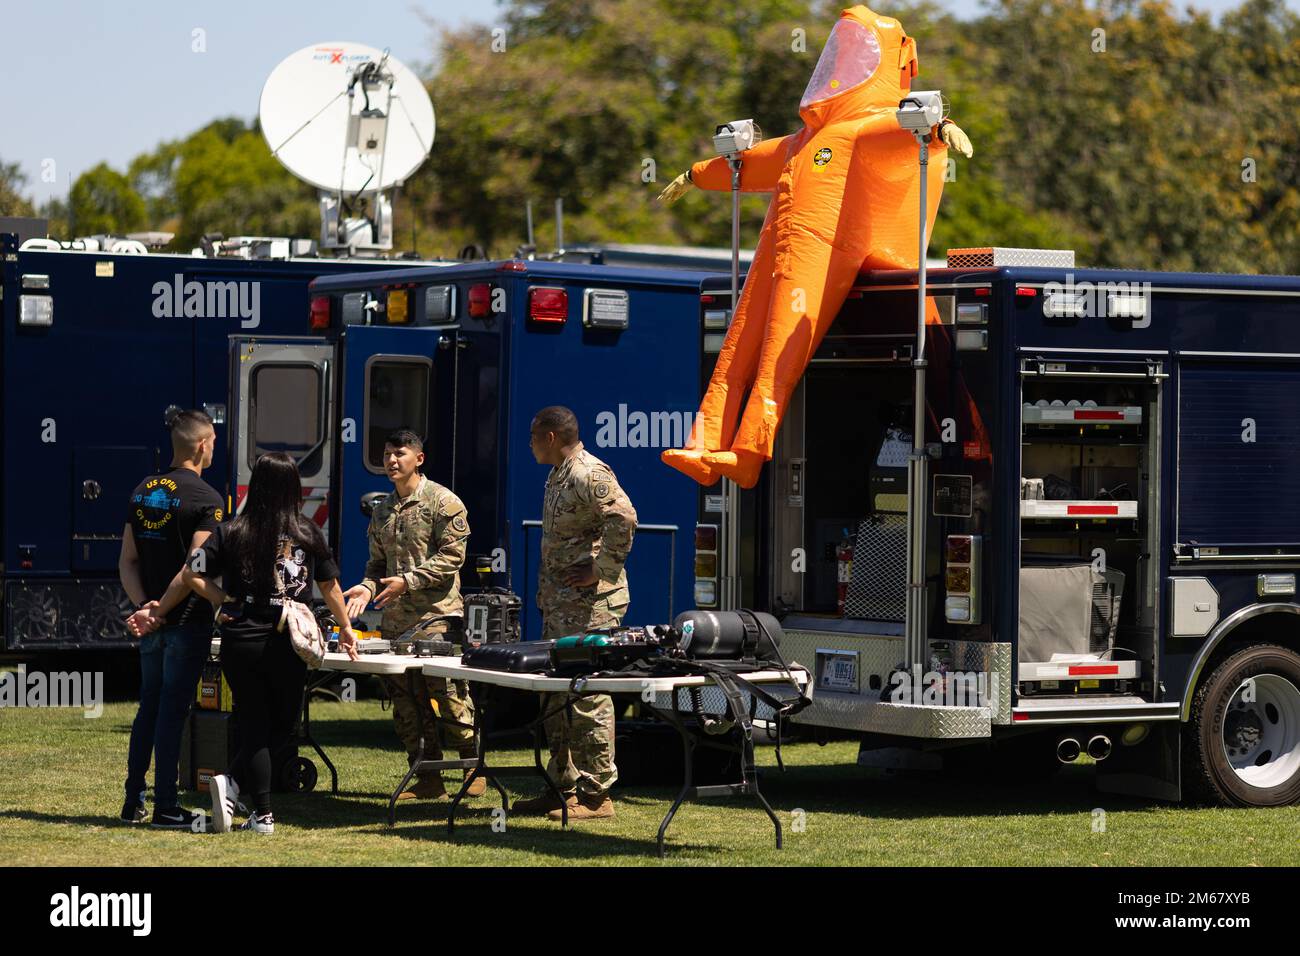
(61, 788)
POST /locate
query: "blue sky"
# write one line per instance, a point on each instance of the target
(93, 81)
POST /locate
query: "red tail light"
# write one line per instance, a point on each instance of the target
(480, 300)
(548, 304)
(320, 312)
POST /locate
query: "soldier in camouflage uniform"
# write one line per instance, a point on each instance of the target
(587, 528)
(418, 536)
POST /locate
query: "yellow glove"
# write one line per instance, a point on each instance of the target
(954, 138)
(676, 189)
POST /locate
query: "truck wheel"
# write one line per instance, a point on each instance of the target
(1242, 745)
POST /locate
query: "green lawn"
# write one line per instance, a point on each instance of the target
(61, 788)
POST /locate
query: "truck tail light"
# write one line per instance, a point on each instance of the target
(961, 578)
(706, 565)
(480, 300)
(320, 312)
(398, 307)
(546, 304)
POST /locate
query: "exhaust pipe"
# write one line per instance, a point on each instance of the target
(1099, 747)
(1068, 750)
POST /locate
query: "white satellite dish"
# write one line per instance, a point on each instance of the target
(346, 118)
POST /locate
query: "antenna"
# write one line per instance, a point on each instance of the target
(354, 122)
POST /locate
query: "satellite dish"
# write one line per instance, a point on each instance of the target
(346, 118)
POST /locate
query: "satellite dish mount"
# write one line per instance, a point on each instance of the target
(353, 122)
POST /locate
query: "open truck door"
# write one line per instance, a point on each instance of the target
(392, 378)
(282, 398)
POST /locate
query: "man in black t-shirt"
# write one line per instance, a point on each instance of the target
(169, 515)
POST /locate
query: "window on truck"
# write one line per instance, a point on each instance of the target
(287, 413)
(397, 396)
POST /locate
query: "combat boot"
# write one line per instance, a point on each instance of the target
(587, 808)
(427, 788)
(479, 786)
(546, 803)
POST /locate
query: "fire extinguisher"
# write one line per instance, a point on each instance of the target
(843, 570)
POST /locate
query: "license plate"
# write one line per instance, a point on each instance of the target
(838, 671)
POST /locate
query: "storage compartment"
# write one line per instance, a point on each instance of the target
(1089, 467)
(856, 435)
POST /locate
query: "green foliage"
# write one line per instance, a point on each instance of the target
(1136, 133)
(102, 201)
(12, 180)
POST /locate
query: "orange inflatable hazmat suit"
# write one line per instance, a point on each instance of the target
(846, 197)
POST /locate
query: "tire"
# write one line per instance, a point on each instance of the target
(299, 775)
(1241, 747)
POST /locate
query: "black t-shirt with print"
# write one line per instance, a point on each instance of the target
(165, 512)
(255, 615)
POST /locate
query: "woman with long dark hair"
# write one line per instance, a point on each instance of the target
(268, 555)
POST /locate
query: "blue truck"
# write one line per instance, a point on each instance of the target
(98, 346)
(1110, 486)
(466, 355)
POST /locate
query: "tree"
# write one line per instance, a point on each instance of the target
(12, 181)
(103, 202)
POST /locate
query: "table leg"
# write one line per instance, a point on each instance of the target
(307, 736)
(688, 758)
(414, 678)
(744, 748)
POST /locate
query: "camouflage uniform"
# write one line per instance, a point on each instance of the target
(422, 538)
(586, 516)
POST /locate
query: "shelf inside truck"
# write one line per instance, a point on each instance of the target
(1078, 509)
(1082, 415)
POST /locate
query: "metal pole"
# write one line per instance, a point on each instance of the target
(730, 597)
(916, 627)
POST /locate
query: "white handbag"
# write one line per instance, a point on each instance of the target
(304, 633)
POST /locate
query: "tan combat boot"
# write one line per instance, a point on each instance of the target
(587, 808)
(479, 786)
(427, 788)
(546, 803)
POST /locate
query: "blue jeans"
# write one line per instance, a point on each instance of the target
(171, 662)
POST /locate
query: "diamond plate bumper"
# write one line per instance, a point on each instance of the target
(859, 708)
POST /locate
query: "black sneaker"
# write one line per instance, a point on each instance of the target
(133, 810)
(178, 818)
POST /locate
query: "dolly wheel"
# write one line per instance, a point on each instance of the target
(299, 775)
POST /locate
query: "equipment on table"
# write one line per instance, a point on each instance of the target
(603, 650)
(527, 657)
(727, 635)
(375, 645)
(491, 617)
(434, 647)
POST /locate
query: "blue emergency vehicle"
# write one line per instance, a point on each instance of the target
(1111, 525)
(98, 346)
(466, 355)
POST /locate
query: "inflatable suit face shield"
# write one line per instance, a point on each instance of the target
(851, 57)
(845, 196)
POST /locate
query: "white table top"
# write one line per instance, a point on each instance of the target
(364, 664)
(452, 667)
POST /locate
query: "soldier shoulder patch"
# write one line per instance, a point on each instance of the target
(459, 523)
(601, 489)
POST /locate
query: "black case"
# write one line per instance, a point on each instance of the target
(528, 657)
(491, 617)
